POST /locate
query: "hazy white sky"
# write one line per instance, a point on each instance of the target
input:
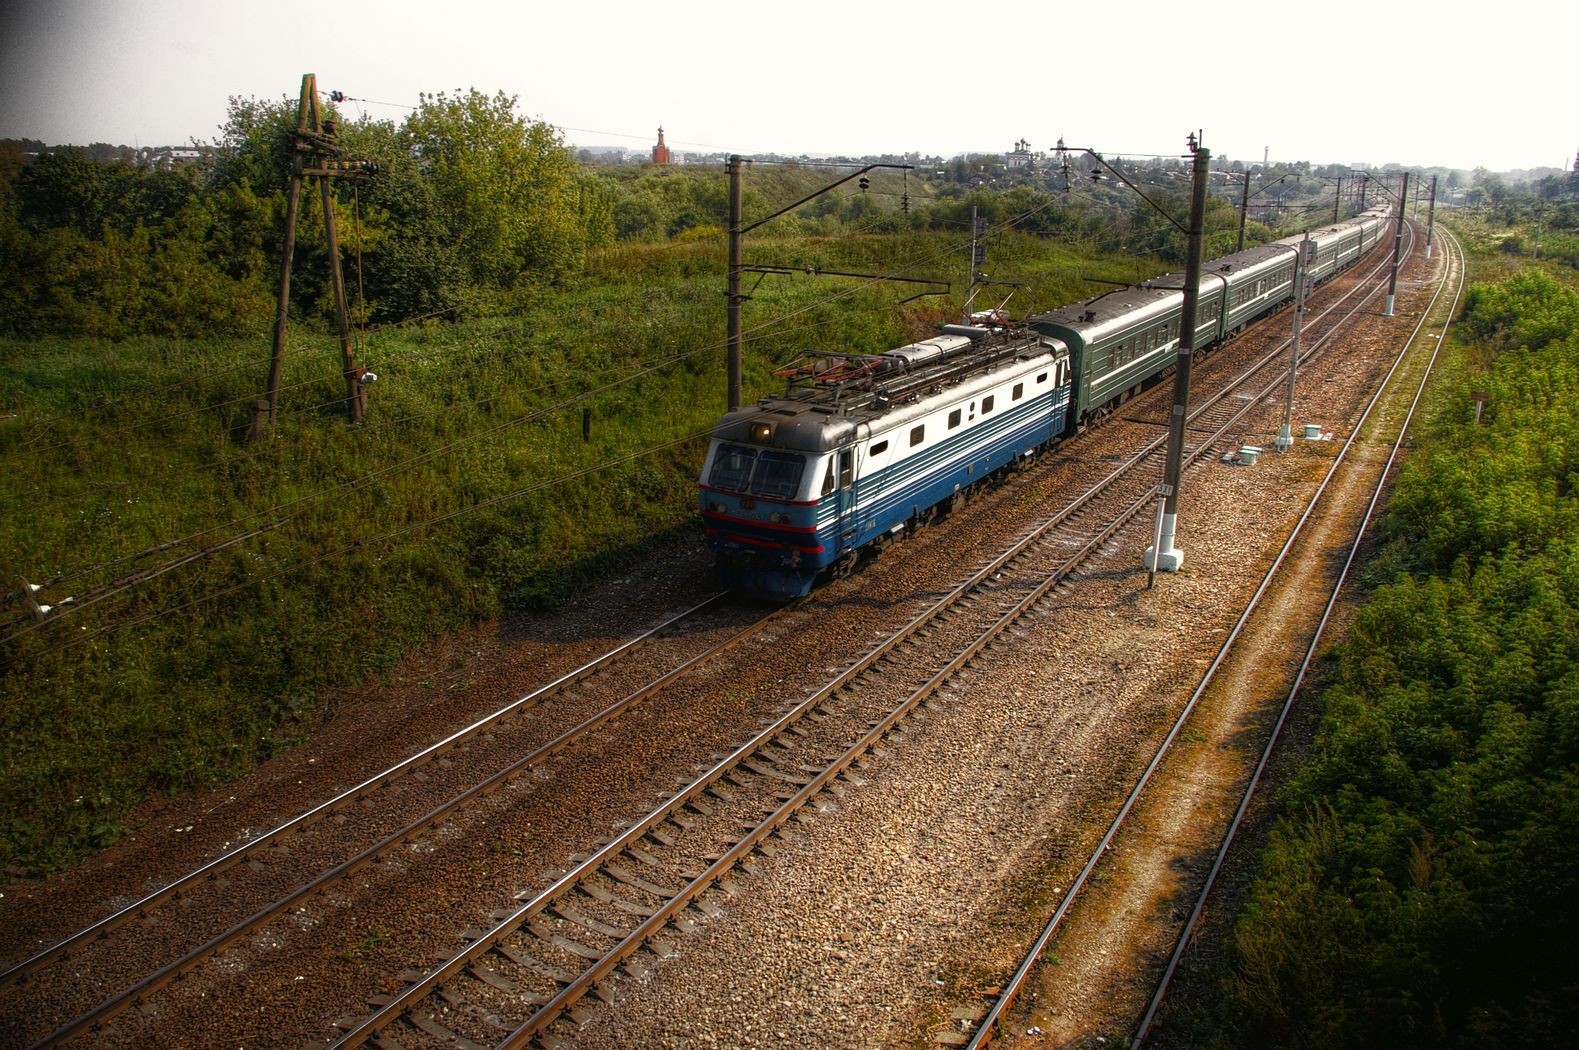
(1459, 85)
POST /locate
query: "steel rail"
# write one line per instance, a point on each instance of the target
(214, 868)
(550, 1011)
(173, 971)
(505, 927)
(983, 1035)
(1186, 934)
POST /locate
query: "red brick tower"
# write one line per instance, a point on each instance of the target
(660, 152)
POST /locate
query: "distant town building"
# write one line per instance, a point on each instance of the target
(165, 158)
(1021, 157)
(660, 152)
(1573, 176)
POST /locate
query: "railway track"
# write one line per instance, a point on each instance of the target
(601, 901)
(603, 693)
(980, 1027)
(1453, 277)
(605, 920)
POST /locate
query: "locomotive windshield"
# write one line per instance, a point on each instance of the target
(775, 475)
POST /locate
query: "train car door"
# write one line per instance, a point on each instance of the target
(845, 480)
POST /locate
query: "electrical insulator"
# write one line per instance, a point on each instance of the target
(864, 183)
(904, 203)
(337, 96)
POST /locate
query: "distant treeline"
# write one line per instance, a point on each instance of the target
(475, 211)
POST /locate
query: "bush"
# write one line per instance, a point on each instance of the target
(1421, 888)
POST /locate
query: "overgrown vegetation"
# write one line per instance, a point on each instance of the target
(1422, 887)
(205, 592)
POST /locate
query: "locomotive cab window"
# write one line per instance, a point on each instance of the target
(732, 467)
(1042, 378)
(777, 475)
(846, 468)
(827, 478)
(878, 449)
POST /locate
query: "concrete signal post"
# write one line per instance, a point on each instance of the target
(1165, 555)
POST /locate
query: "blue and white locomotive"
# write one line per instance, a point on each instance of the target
(862, 448)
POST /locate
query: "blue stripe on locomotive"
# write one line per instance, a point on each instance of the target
(784, 560)
(764, 561)
(892, 495)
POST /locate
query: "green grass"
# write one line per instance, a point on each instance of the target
(320, 555)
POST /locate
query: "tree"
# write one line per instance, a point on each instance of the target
(503, 186)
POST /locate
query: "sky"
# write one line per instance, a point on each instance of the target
(1460, 86)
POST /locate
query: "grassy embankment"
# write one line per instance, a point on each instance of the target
(221, 586)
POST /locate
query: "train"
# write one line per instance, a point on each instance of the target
(863, 449)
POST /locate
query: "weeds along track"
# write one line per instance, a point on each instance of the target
(533, 974)
(229, 899)
(623, 893)
(1279, 616)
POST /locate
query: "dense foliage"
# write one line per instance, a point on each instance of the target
(1424, 888)
(223, 590)
(1532, 223)
(210, 595)
(475, 211)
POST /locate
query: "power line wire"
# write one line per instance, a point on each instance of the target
(147, 575)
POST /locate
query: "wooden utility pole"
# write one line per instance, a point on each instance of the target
(315, 151)
(1430, 218)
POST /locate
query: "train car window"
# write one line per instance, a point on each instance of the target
(732, 467)
(917, 435)
(1042, 378)
(986, 404)
(953, 419)
(1018, 392)
(777, 475)
(878, 449)
(846, 468)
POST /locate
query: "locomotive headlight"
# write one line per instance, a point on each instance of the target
(760, 432)
(779, 519)
(716, 507)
